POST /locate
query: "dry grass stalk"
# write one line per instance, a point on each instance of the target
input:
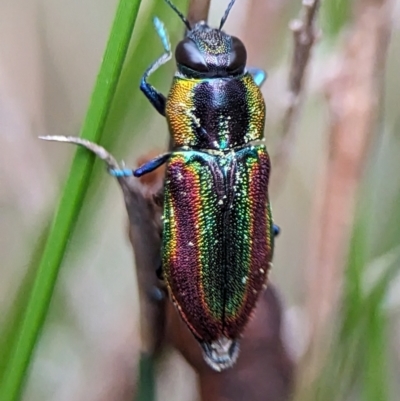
(305, 35)
(266, 15)
(353, 96)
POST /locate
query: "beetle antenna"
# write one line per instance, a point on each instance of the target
(227, 11)
(180, 15)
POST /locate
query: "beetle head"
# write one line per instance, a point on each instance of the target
(208, 52)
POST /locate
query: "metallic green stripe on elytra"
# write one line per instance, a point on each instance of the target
(239, 240)
(212, 277)
(250, 222)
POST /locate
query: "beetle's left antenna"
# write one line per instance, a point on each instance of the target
(180, 15)
(227, 11)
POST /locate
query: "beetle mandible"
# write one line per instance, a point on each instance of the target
(218, 234)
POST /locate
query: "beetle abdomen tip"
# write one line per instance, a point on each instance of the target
(221, 354)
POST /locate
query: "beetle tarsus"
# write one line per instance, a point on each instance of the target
(118, 173)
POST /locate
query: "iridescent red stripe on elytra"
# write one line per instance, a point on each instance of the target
(184, 276)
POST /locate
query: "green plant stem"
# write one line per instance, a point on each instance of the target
(146, 384)
(70, 202)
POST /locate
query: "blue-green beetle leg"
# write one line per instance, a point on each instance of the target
(258, 75)
(118, 173)
(151, 165)
(277, 230)
(156, 98)
(143, 169)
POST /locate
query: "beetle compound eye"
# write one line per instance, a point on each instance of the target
(188, 55)
(238, 56)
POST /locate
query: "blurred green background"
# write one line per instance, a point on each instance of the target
(50, 51)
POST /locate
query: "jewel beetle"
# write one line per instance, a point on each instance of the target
(218, 233)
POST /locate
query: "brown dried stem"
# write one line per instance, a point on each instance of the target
(142, 200)
(263, 19)
(198, 11)
(354, 95)
(305, 34)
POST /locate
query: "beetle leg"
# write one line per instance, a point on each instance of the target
(277, 230)
(151, 165)
(258, 75)
(156, 98)
(143, 169)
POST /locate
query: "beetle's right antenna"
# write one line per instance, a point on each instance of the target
(227, 11)
(180, 15)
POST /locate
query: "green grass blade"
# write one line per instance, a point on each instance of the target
(13, 317)
(70, 202)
